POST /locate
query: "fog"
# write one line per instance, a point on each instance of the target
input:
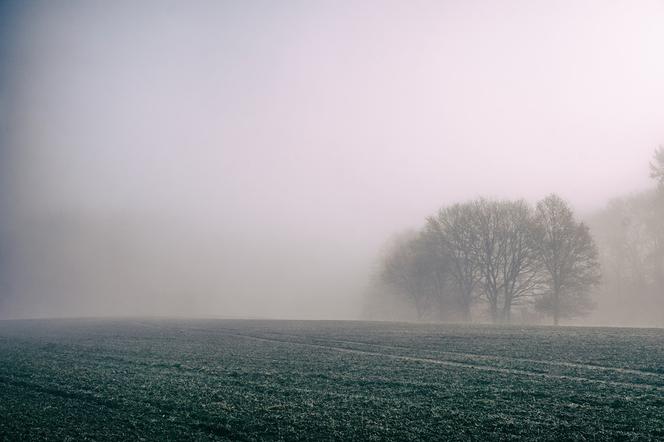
(249, 159)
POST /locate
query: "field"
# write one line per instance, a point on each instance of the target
(323, 380)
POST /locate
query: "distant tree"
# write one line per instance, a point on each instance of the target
(655, 223)
(506, 254)
(408, 269)
(569, 257)
(630, 233)
(453, 233)
(435, 258)
(520, 263)
(487, 253)
(657, 166)
(622, 232)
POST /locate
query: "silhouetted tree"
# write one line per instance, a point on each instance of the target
(453, 232)
(569, 257)
(506, 254)
(407, 267)
(630, 233)
(432, 251)
(520, 263)
(657, 166)
(655, 221)
(502, 252)
(487, 251)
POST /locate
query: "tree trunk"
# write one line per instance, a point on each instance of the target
(507, 309)
(507, 313)
(465, 307)
(556, 307)
(493, 310)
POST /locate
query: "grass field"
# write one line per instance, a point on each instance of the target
(322, 380)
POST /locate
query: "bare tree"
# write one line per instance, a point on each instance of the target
(630, 232)
(569, 258)
(623, 234)
(487, 253)
(506, 253)
(436, 260)
(501, 251)
(453, 234)
(654, 221)
(520, 263)
(408, 268)
(657, 166)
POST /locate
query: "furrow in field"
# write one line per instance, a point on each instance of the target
(457, 364)
(656, 377)
(500, 358)
(475, 356)
(59, 392)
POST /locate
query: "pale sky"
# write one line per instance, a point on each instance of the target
(297, 136)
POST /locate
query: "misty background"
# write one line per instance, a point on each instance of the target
(251, 158)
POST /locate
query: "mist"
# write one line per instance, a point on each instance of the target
(250, 159)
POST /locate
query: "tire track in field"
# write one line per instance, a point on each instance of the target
(620, 370)
(456, 364)
(59, 391)
(577, 365)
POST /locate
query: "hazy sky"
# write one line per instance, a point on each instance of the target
(289, 139)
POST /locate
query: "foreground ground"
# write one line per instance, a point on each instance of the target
(256, 380)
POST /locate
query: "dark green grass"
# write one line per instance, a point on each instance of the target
(257, 380)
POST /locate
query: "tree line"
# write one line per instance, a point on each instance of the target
(630, 235)
(493, 255)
